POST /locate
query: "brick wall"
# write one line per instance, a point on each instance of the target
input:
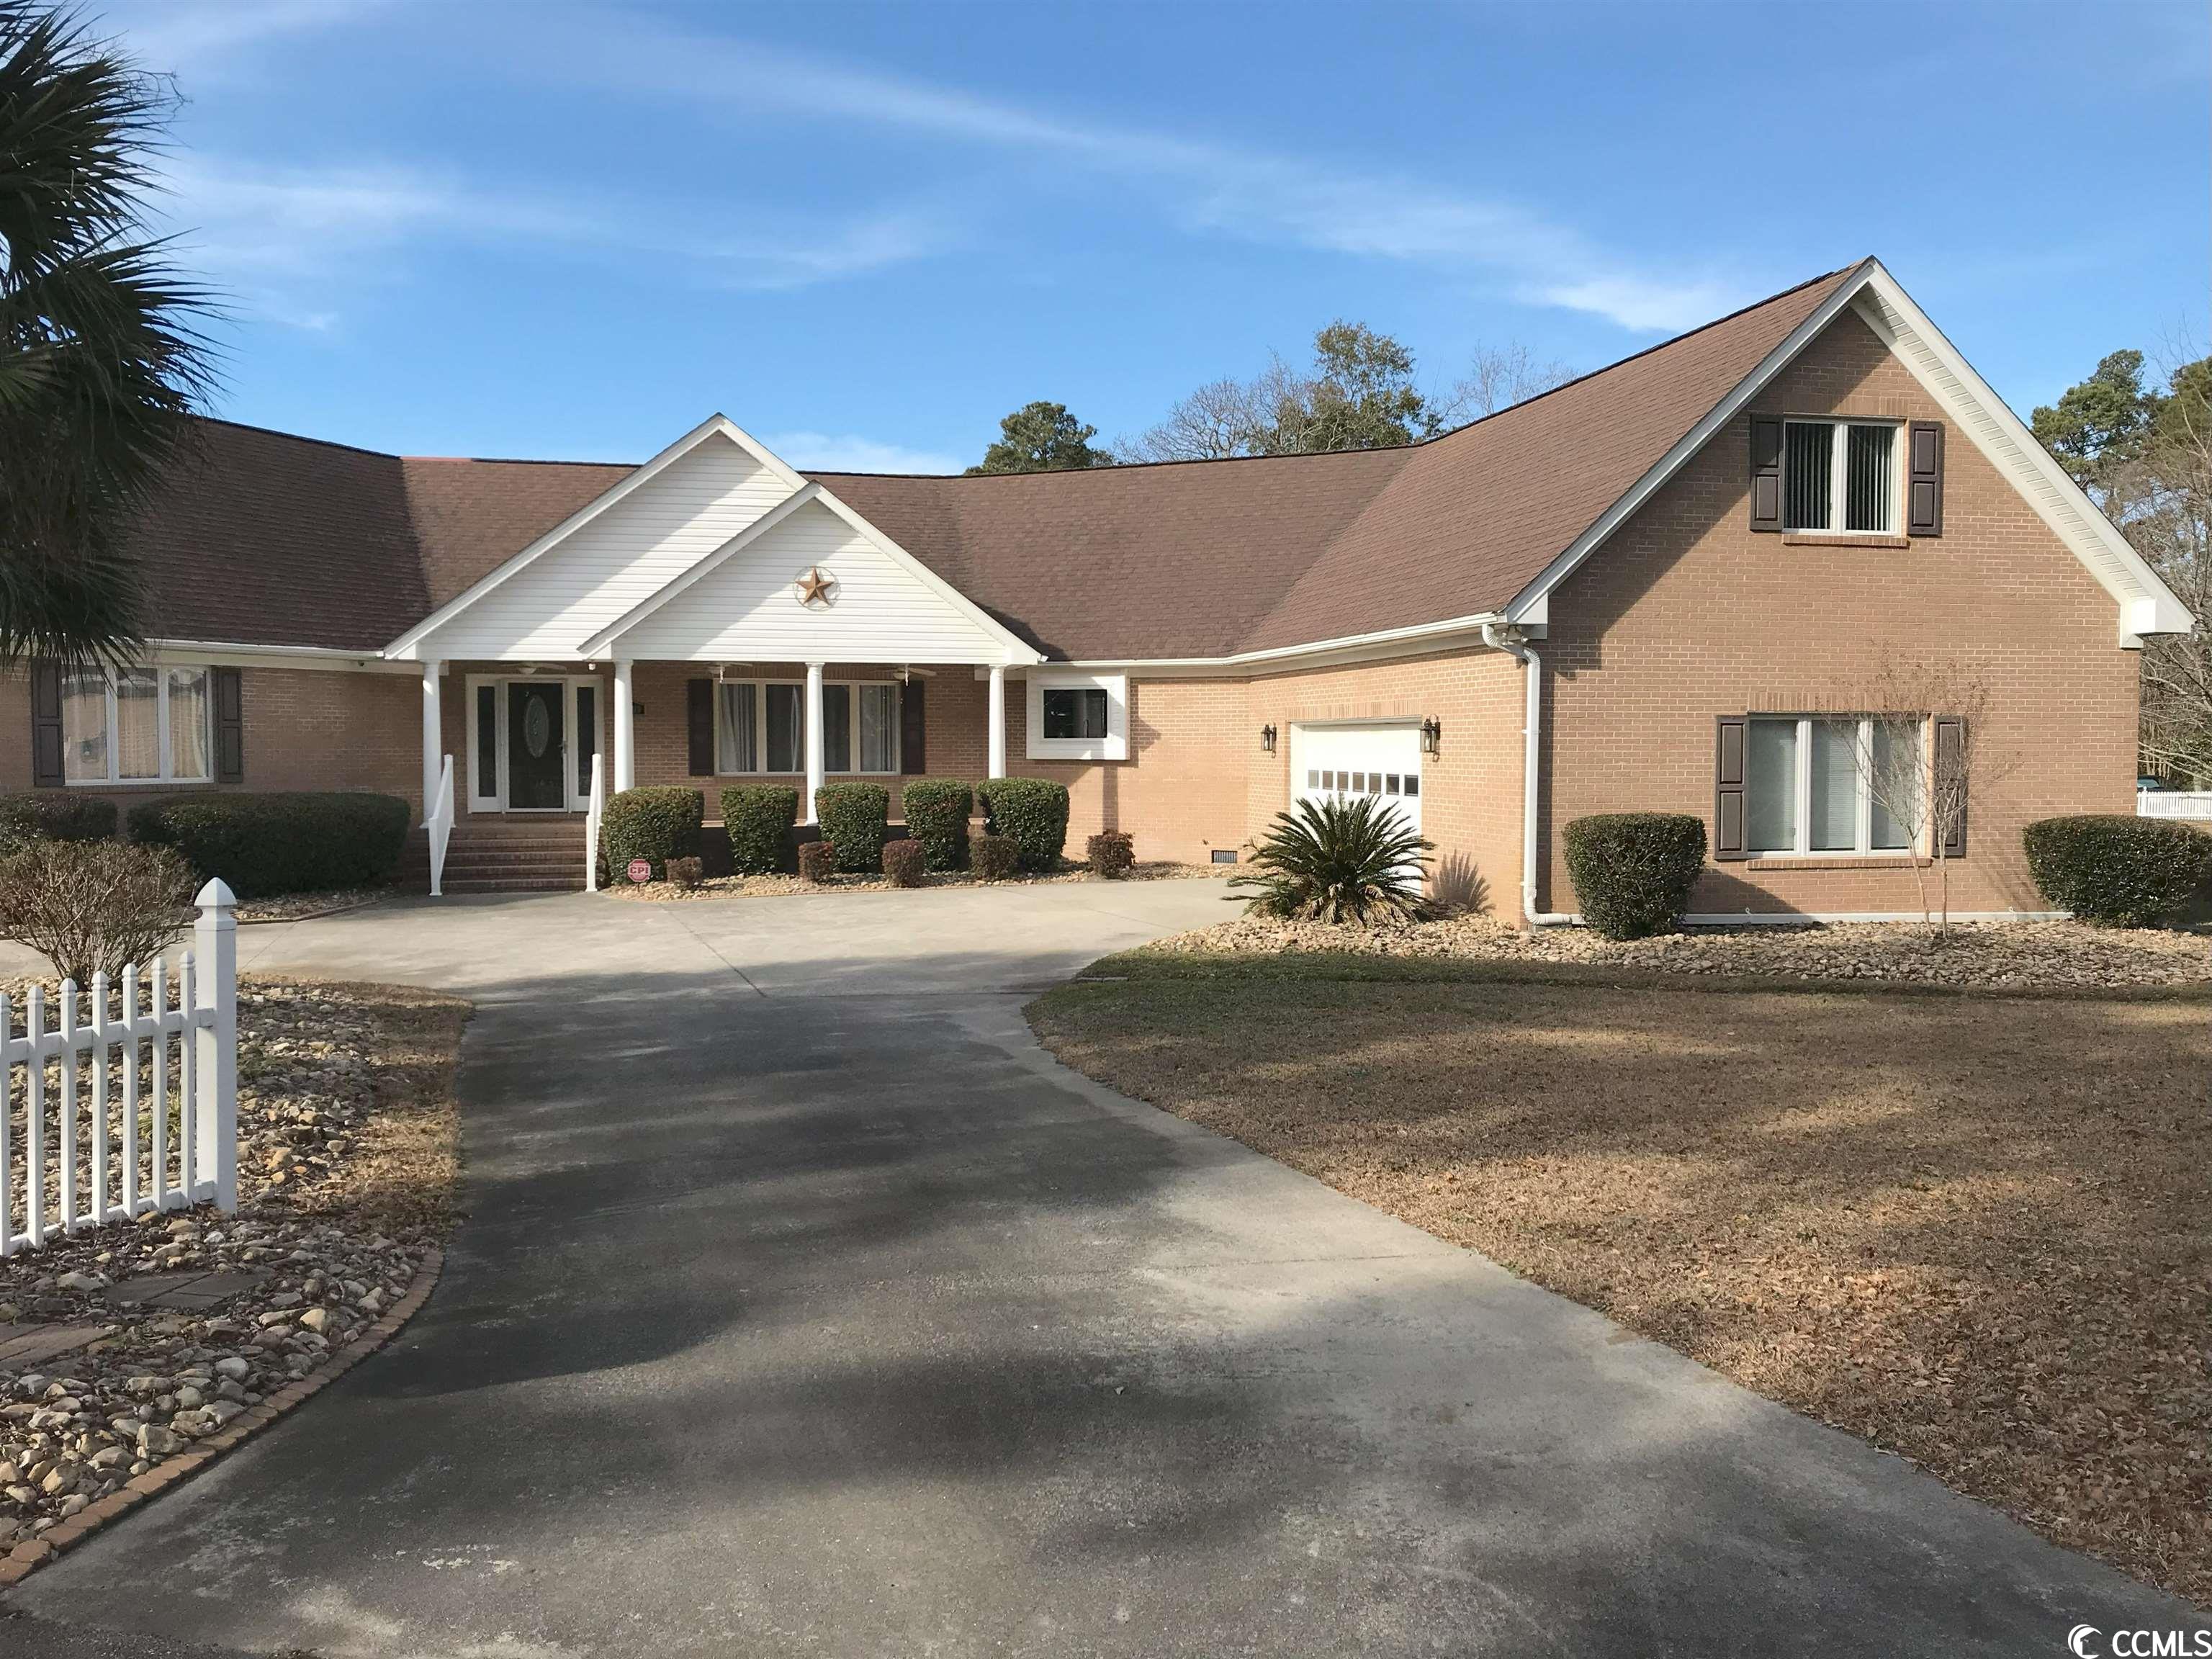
(1686, 615)
(304, 729)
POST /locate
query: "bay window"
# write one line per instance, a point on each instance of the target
(1820, 784)
(760, 727)
(135, 726)
(1840, 476)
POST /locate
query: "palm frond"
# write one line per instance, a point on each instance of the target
(1351, 858)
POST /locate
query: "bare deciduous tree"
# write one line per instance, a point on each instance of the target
(1924, 750)
(1498, 378)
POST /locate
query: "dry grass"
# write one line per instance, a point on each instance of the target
(1971, 1230)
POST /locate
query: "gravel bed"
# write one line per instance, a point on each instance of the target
(2015, 954)
(663, 893)
(346, 1167)
(293, 907)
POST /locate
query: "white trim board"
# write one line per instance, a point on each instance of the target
(2146, 604)
(601, 645)
(713, 426)
(320, 659)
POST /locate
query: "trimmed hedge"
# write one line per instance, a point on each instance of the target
(1034, 811)
(818, 859)
(54, 815)
(937, 814)
(1633, 870)
(857, 817)
(994, 858)
(263, 845)
(903, 862)
(655, 825)
(2124, 871)
(758, 817)
(1111, 852)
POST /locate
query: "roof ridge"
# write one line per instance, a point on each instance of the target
(521, 460)
(299, 437)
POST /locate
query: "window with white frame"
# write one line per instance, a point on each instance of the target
(760, 727)
(1074, 715)
(1828, 784)
(1840, 476)
(135, 726)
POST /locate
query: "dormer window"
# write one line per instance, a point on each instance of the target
(1840, 478)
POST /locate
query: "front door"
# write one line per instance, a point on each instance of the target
(535, 776)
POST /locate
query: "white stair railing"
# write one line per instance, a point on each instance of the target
(592, 814)
(79, 1091)
(439, 822)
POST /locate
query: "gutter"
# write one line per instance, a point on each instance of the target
(1532, 767)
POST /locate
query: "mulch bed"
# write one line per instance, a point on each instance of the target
(347, 1166)
(1969, 1228)
(299, 907)
(2005, 955)
(775, 886)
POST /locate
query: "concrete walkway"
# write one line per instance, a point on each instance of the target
(805, 1307)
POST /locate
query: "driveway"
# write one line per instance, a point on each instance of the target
(805, 1307)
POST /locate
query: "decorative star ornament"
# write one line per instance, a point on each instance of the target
(815, 588)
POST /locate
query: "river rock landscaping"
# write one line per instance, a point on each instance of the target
(2013, 955)
(784, 885)
(121, 1346)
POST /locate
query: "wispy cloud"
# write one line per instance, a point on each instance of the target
(824, 452)
(210, 41)
(1203, 185)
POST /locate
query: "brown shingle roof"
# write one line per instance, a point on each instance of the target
(265, 538)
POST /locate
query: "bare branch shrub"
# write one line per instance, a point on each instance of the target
(92, 907)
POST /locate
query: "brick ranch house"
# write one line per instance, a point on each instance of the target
(1659, 587)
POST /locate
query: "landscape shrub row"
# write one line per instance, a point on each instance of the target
(262, 845)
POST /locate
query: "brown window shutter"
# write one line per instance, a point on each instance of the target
(1765, 472)
(699, 726)
(1728, 787)
(1923, 482)
(1950, 756)
(229, 725)
(46, 724)
(914, 755)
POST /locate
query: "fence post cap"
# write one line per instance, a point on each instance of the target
(216, 895)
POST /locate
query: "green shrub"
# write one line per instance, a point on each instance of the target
(2126, 871)
(818, 859)
(857, 817)
(937, 814)
(1110, 854)
(994, 858)
(655, 825)
(1348, 858)
(53, 814)
(903, 862)
(1034, 811)
(758, 817)
(1632, 872)
(263, 845)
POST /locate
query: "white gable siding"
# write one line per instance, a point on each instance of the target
(594, 577)
(745, 610)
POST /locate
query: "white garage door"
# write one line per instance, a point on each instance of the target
(1333, 762)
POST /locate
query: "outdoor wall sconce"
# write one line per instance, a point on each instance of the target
(1432, 733)
(1266, 739)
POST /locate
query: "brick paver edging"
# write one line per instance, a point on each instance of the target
(26, 1559)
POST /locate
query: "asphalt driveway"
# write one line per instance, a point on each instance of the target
(805, 1307)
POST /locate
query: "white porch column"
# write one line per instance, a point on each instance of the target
(814, 751)
(998, 769)
(625, 729)
(434, 738)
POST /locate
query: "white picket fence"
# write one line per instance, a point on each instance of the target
(2173, 804)
(103, 1120)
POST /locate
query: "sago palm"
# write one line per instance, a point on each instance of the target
(101, 353)
(1350, 858)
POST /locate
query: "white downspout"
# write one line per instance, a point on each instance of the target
(1531, 766)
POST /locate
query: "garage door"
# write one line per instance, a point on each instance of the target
(1333, 761)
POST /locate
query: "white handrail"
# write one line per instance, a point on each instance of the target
(592, 814)
(440, 825)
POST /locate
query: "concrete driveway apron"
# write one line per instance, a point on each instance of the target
(804, 1306)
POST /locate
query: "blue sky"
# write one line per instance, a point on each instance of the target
(865, 233)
